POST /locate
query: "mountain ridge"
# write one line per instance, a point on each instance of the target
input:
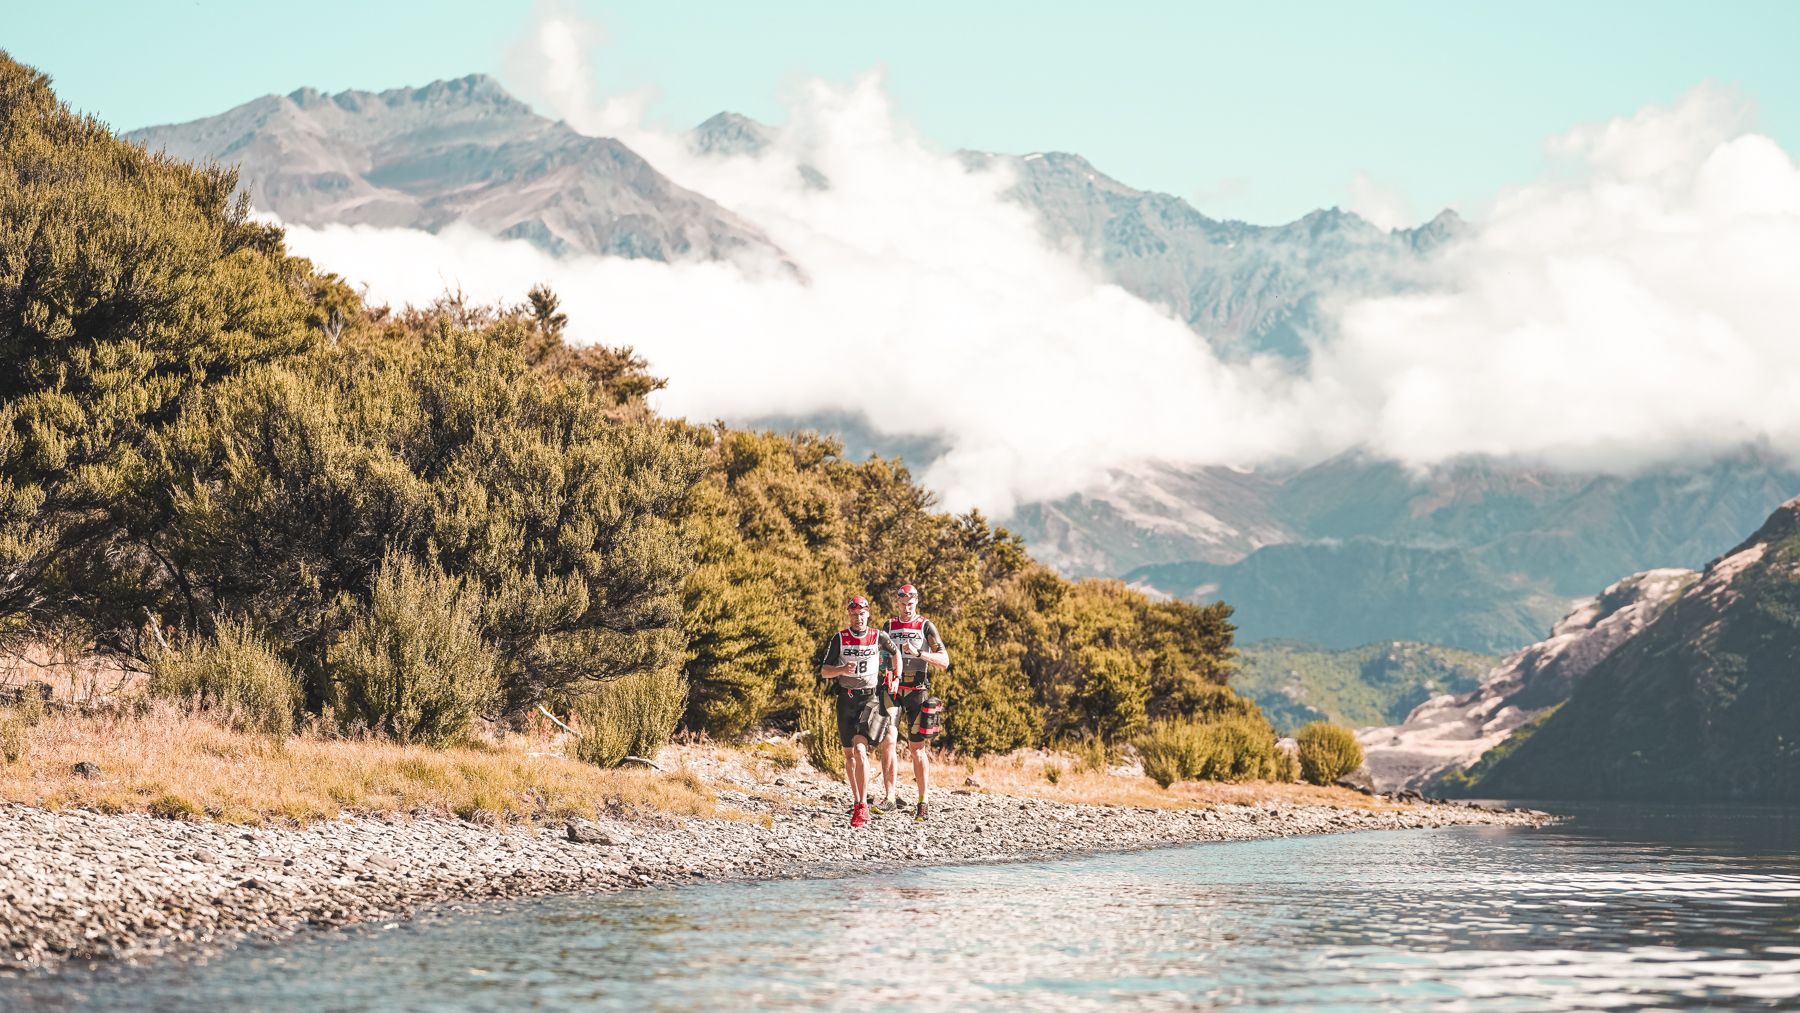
(1700, 704)
(457, 150)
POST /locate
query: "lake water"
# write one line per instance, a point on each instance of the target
(1620, 907)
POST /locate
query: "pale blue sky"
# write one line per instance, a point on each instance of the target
(1260, 111)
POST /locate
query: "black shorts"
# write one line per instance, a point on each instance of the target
(861, 715)
(912, 702)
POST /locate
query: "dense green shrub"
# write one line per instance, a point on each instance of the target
(1231, 748)
(630, 716)
(413, 664)
(1211, 702)
(129, 281)
(234, 674)
(985, 712)
(743, 636)
(1327, 752)
(1240, 749)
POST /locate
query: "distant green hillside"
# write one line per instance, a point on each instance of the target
(1702, 703)
(1572, 531)
(1376, 684)
(1339, 593)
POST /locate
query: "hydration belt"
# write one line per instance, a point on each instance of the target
(859, 692)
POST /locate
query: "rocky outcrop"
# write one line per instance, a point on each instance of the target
(1455, 730)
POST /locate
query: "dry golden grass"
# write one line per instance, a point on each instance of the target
(73, 676)
(1028, 773)
(179, 765)
(1080, 779)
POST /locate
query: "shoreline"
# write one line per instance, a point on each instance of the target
(88, 886)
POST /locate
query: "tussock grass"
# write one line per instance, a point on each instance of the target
(1025, 774)
(177, 764)
(781, 756)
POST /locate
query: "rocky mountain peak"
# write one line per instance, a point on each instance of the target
(451, 99)
(730, 133)
(1443, 228)
(1334, 221)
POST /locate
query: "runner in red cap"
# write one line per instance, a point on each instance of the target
(918, 640)
(856, 657)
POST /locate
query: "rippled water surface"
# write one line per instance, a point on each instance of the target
(1696, 907)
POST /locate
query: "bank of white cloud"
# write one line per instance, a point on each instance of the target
(1633, 307)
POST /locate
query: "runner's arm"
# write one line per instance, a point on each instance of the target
(830, 667)
(891, 650)
(936, 654)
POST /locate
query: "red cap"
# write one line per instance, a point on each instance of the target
(857, 601)
(908, 591)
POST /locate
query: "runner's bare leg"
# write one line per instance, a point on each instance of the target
(921, 763)
(856, 769)
(889, 763)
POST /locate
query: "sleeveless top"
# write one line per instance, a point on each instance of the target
(910, 634)
(865, 653)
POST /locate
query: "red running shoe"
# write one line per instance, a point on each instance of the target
(859, 814)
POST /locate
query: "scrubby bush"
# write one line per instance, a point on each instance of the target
(1283, 767)
(233, 674)
(1211, 702)
(986, 713)
(1170, 749)
(1239, 749)
(630, 716)
(1327, 752)
(413, 664)
(818, 721)
(1234, 748)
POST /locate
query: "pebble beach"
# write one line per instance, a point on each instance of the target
(87, 886)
